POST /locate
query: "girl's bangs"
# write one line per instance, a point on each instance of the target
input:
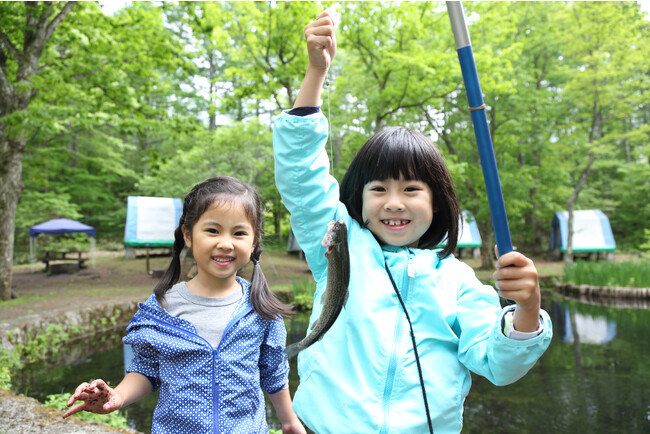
(246, 201)
(404, 159)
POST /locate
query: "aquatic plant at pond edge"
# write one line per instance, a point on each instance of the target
(115, 419)
(38, 347)
(303, 294)
(626, 274)
(9, 361)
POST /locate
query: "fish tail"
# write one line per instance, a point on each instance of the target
(292, 351)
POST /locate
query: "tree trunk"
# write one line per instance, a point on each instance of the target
(11, 185)
(277, 219)
(212, 72)
(568, 256)
(487, 243)
(37, 31)
(594, 131)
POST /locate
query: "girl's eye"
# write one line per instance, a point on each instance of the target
(241, 233)
(377, 188)
(413, 188)
(212, 231)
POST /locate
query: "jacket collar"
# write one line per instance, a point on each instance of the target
(151, 309)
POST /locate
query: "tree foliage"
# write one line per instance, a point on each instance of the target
(154, 98)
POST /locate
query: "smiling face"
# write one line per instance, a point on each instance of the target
(222, 241)
(397, 211)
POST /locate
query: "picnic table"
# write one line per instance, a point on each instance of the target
(64, 256)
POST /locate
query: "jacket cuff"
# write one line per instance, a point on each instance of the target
(304, 111)
(509, 329)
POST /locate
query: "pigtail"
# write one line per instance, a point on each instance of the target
(264, 302)
(173, 272)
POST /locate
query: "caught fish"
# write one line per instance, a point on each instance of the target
(336, 293)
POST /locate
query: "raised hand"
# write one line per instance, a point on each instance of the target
(321, 48)
(321, 40)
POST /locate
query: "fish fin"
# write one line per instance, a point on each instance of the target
(315, 324)
(292, 351)
(345, 299)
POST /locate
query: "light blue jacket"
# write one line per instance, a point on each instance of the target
(362, 376)
(206, 390)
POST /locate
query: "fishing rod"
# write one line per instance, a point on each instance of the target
(480, 123)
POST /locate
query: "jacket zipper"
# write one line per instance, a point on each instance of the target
(215, 392)
(215, 356)
(394, 356)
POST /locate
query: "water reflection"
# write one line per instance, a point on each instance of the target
(574, 326)
(594, 378)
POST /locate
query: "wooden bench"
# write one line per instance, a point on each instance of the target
(60, 256)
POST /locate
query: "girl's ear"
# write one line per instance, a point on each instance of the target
(187, 236)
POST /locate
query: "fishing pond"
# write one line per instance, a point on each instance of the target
(595, 376)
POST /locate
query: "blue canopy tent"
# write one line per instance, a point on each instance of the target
(592, 232)
(60, 226)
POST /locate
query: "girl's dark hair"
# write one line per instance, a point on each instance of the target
(203, 196)
(399, 151)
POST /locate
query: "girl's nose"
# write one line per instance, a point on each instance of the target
(394, 203)
(224, 244)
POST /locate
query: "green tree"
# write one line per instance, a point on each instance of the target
(607, 46)
(110, 111)
(29, 26)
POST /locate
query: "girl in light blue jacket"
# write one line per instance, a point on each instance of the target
(214, 344)
(417, 321)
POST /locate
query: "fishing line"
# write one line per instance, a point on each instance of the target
(329, 117)
(336, 16)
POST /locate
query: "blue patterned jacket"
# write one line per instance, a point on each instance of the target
(203, 389)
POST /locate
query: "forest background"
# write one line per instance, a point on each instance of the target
(157, 96)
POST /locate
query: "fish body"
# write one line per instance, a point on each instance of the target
(336, 293)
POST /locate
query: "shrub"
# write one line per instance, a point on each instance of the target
(303, 294)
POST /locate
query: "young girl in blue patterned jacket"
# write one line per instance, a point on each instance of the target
(417, 320)
(213, 344)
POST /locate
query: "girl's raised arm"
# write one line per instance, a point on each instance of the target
(321, 48)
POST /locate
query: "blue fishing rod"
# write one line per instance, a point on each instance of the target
(481, 130)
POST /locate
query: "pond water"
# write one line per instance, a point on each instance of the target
(595, 377)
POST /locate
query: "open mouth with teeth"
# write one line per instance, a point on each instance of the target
(223, 259)
(396, 223)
